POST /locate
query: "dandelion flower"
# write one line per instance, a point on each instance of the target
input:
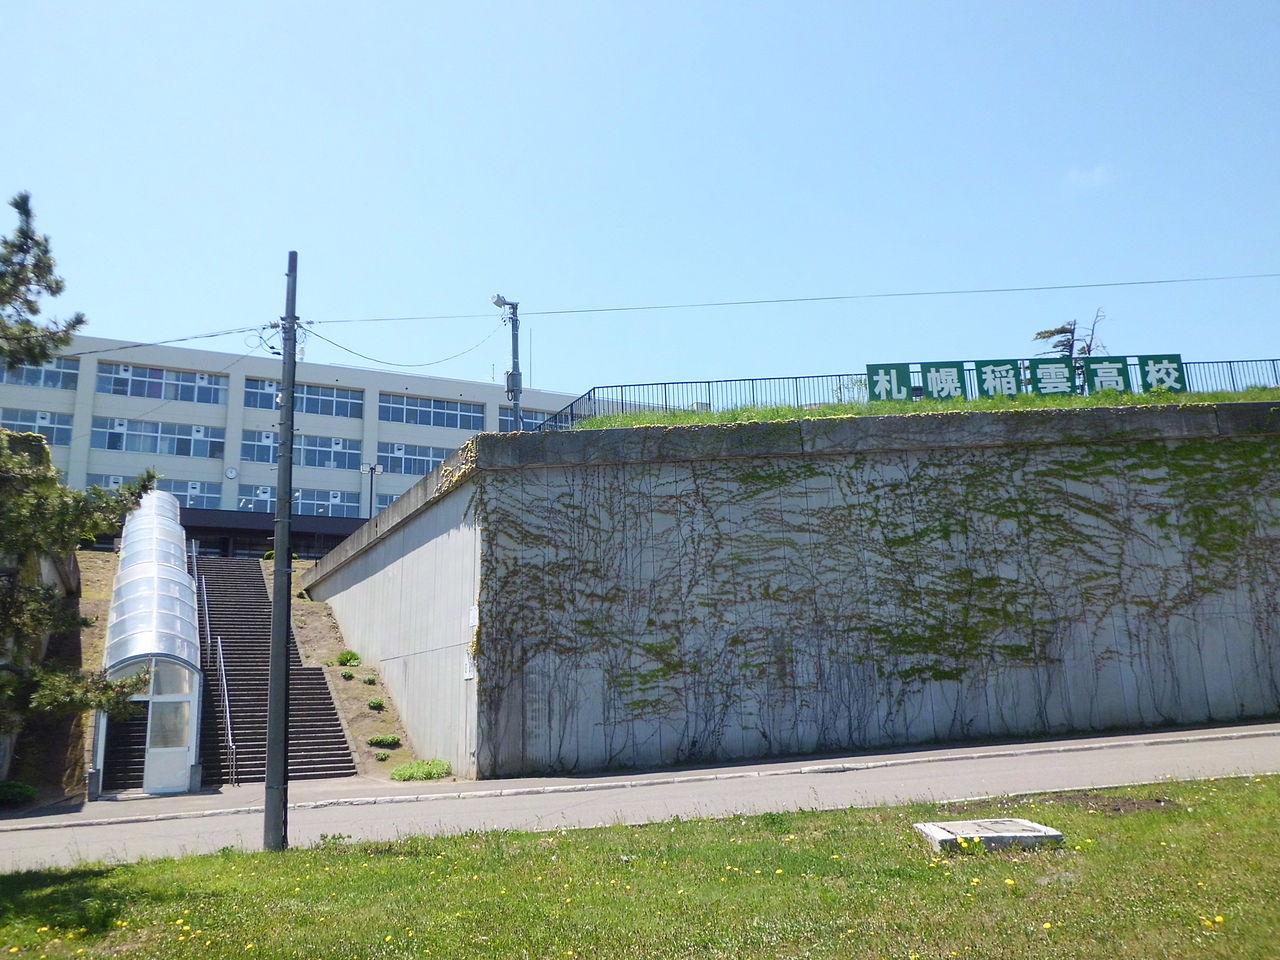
(1047, 925)
(1218, 919)
(1009, 881)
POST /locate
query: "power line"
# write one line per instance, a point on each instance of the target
(392, 363)
(828, 299)
(909, 293)
(161, 343)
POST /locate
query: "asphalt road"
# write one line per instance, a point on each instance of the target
(366, 809)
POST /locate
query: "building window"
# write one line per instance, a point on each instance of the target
(204, 494)
(61, 373)
(532, 419)
(397, 408)
(337, 453)
(54, 427)
(251, 499)
(410, 458)
(307, 398)
(386, 499)
(149, 436)
(157, 383)
(258, 446)
(306, 502)
(326, 503)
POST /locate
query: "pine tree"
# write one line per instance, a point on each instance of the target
(1071, 343)
(39, 515)
(27, 275)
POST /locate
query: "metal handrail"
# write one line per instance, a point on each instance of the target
(1229, 376)
(229, 735)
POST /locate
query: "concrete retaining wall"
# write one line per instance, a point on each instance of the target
(663, 595)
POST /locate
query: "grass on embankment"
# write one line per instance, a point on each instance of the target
(1166, 870)
(879, 408)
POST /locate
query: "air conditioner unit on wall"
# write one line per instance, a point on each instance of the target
(262, 493)
(121, 424)
(115, 483)
(268, 436)
(193, 486)
(337, 443)
(44, 416)
(398, 448)
(335, 496)
(202, 378)
(126, 369)
(197, 431)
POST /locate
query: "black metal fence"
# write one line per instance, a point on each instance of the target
(819, 391)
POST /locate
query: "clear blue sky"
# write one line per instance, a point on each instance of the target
(421, 156)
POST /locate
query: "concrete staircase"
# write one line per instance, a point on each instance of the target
(124, 752)
(240, 613)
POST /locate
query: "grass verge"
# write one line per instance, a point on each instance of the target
(1168, 870)
(878, 408)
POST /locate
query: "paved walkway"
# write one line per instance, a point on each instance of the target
(130, 827)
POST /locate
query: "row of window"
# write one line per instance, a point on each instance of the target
(60, 373)
(337, 453)
(306, 502)
(159, 383)
(396, 408)
(56, 427)
(256, 446)
(532, 419)
(204, 494)
(307, 398)
(150, 436)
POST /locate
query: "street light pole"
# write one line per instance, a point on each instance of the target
(512, 316)
(372, 469)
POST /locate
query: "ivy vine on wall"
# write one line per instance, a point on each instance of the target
(656, 612)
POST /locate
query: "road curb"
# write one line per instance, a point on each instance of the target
(807, 770)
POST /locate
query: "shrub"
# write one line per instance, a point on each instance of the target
(14, 793)
(371, 680)
(422, 770)
(348, 675)
(389, 740)
(377, 703)
(382, 756)
(269, 555)
(349, 658)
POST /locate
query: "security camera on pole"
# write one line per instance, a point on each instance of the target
(512, 315)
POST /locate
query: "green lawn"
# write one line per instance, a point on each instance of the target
(1167, 870)
(1023, 401)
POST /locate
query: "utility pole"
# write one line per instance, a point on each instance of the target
(513, 375)
(275, 826)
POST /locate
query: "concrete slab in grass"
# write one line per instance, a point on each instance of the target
(994, 834)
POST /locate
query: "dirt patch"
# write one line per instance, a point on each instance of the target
(1082, 799)
(320, 643)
